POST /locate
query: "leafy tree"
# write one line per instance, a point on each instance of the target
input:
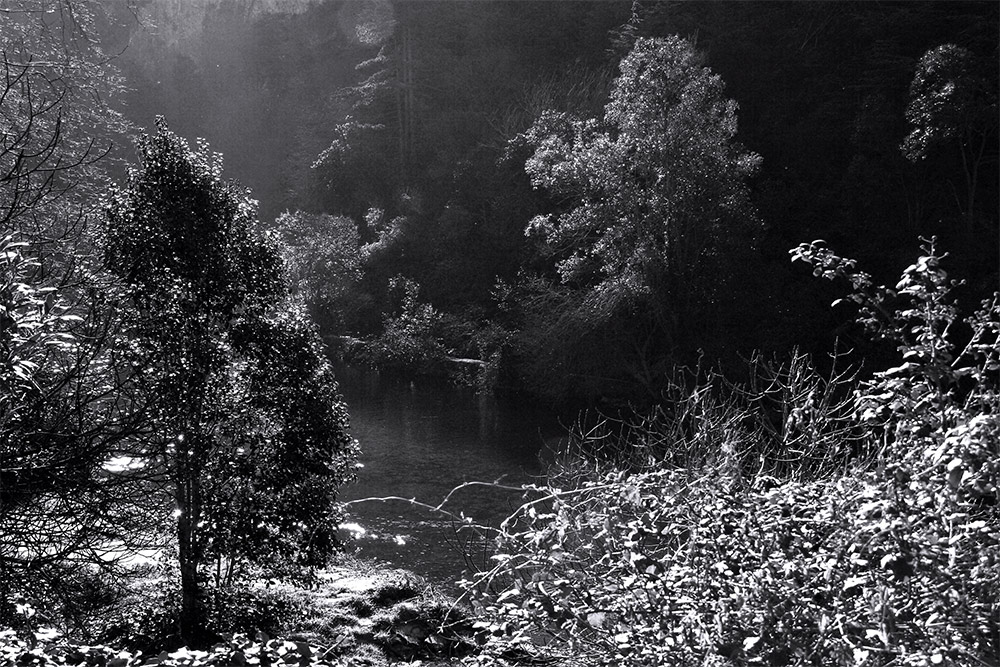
(652, 198)
(324, 257)
(252, 440)
(953, 101)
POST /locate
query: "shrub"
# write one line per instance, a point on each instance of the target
(147, 620)
(685, 558)
(410, 339)
(787, 421)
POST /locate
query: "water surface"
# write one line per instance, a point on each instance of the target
(422, 437)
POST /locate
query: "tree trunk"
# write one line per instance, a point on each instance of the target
(193, 615)
(405, 102)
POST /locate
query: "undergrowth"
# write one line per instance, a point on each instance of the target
(799, 520)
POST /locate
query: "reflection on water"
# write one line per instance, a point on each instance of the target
(420, 438)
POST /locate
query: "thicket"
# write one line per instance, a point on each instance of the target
(813, 520)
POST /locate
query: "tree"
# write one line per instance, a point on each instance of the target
(58, 91)
(252, 439)
(67, 504)
(952, 101)
(652, 198)
(65, 412)
(325, 259)
(353, 173)
(367, 163)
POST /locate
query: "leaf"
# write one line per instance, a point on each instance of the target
(508, 594)
(851, 584)
(956, 471)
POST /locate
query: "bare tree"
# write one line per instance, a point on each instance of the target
(68, 496)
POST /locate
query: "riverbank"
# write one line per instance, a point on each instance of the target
(365, 614)
(352, 350)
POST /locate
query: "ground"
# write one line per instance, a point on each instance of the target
(378, 616)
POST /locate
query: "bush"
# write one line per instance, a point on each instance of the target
(411, 338)
(148, 619)
(70, 596)
(686, 558)
(788, 421)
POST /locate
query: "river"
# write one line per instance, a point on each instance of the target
(420, 438)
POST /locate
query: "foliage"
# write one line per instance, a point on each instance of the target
(787, 421)
(64, 507)
(560, 348)
(146, 618)
(424, 629)
(356, 615)
(410, 338)
(491, 344)
(655, 189)
(251, 441)
(948, 98)
(703, 561)
(324, 260)
(46, 649)
(942, 396)
(836, 572)
(651, 206)
(34, 333)
(353, 173)
(823, 89)
(953, 101)
(71, 595)
(57, 101)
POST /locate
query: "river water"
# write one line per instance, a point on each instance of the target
(420, 438)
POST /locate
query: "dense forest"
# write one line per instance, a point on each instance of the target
(757, 244)
(410, 126)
